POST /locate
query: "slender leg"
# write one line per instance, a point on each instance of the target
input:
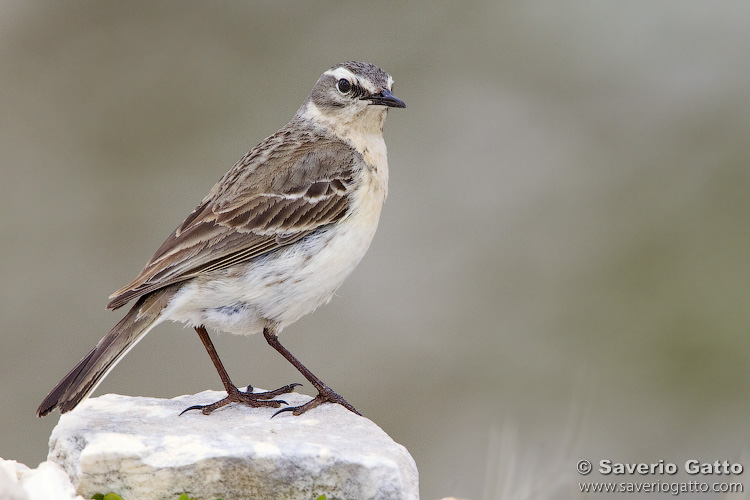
(234, 395)
(325, 393)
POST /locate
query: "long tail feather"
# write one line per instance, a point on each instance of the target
(91, 370)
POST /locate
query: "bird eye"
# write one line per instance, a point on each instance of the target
(344, 86)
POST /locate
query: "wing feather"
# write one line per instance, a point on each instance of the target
(272, 197)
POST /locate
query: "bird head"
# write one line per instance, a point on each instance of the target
(351, 94)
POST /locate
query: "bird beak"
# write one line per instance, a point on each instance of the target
(385, 98)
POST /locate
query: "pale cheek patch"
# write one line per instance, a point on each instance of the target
(312, 112)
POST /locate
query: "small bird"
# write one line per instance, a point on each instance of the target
(271, 242)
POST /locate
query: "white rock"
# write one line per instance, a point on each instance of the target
(141, 448)
(10, 480)
(46, 482)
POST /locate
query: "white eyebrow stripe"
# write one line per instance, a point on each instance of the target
(341, 72)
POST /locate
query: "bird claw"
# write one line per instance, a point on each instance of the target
(272, 394)
(291, 408)
(194, 407)
(255, 400)
(325, 396)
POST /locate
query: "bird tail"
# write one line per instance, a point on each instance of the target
(91, 370)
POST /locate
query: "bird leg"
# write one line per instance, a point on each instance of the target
(325, 393)
(234, 395)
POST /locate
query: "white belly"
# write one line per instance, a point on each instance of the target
(287, 284)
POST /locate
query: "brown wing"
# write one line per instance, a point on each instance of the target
(278, 193)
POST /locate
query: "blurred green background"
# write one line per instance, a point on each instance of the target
(561, 269)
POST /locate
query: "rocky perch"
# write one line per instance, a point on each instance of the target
(141, 448)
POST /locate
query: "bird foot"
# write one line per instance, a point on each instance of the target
(256, 400)
(325, 395)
